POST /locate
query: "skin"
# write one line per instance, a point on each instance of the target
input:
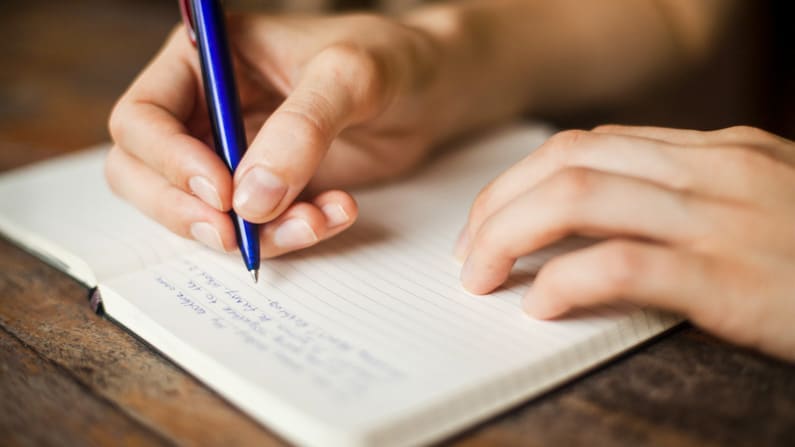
(305, 114)
(333, 102)
(695, 222)
(699, 223)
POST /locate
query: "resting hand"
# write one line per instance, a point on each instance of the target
(327, 102)
(700, 223)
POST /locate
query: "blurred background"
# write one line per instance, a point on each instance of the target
(64, 63)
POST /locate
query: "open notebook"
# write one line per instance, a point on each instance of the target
(368, 339)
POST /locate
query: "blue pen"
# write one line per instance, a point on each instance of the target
(206, 24)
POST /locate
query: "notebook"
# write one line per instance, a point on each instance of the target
(365, 340)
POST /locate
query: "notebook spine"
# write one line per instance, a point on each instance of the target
(95, 301)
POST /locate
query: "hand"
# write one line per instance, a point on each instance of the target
(327, 102)
(699, 223)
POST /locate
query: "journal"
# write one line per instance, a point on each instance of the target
(365, 340)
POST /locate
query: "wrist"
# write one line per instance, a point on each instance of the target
(468, 90)
(454, 72)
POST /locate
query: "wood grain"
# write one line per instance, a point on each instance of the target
(48, 312)
(686, 389)
(663, 394)
(42, 405)
(68, 377)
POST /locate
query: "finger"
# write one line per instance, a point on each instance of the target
(305, 224)
(752, 137)
(578, 202)
(686, 137)
(639, 272)
(339, 209)
(341, 86)
(714, 294)
(669, 165)
(148, 122)
(570, 149)
(175, 209)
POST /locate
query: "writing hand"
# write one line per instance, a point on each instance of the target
(327, 103)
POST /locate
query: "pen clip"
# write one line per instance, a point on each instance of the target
(187, 19)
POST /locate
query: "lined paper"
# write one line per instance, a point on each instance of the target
(67, 201)
(371, 332)
(366, 339)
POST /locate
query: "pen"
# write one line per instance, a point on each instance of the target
(206, 25)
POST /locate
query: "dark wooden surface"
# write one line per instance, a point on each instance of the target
(68, 377)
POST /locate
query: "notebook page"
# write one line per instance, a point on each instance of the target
(369, 339)
(63, 210)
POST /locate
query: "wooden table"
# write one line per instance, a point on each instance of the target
(69, 377)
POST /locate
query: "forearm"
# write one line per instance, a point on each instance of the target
(507, 56)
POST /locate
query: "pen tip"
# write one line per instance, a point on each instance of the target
(254, 275)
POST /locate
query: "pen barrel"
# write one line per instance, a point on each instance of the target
(223, 107)
(220, 86)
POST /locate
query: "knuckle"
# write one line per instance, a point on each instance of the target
(493, 239)
(610, 128)
(573, 184)
(565, 148)
(753, 136)
(350, 62)
(568, 138)
(343, 55)
(359, 70)
(621, 264)
(480, 206)
(490, 238)
(747, 132)
(682, 178)
(310, 124)
(553, 279)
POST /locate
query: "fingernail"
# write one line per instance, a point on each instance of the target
(335, 215)
(294, 233)
(461, 245)
(259, 193)
(204, 190)
(467, 274)
(207, 235)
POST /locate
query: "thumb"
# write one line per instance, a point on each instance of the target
(339, 87)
